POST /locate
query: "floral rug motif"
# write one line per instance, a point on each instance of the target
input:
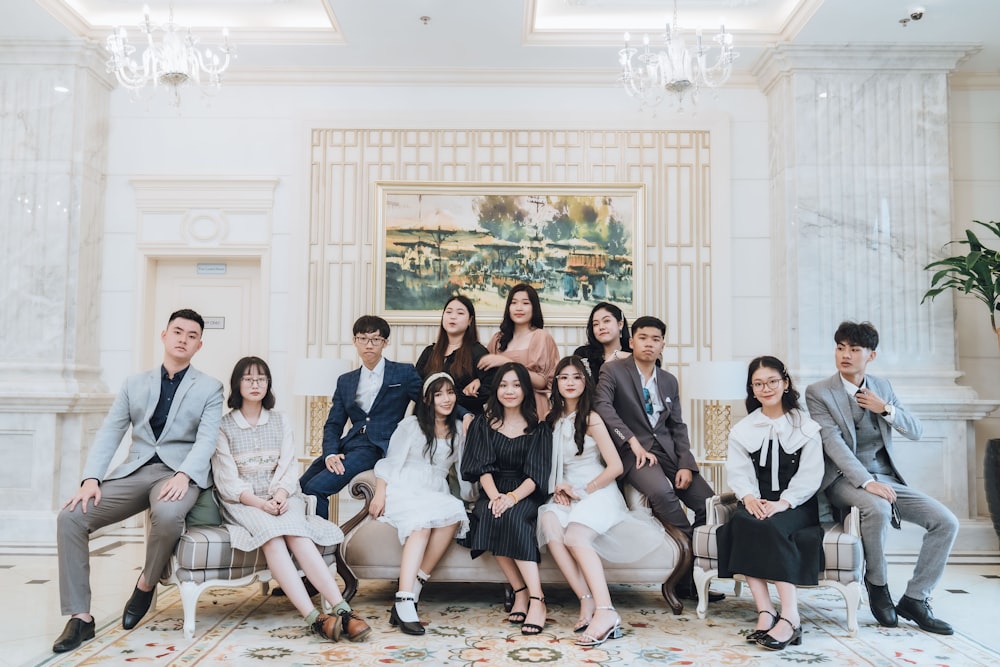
(466, 627)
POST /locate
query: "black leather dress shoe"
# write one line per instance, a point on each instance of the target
(919, 611)
(136, 607)
(692, 594)
(311, 591)
(881, 605)
(75, 633)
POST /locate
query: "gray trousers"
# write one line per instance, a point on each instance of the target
(120, 499)
(915, 507)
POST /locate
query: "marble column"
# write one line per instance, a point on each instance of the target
(860, 197)
(53, 157)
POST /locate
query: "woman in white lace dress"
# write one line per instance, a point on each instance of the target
(588, 519)
(256, 477)
(412, 493)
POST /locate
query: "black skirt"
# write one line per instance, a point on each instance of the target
(785, 547)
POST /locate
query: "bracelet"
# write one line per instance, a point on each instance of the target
(513, 497)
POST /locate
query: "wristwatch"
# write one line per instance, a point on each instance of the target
(887, 411)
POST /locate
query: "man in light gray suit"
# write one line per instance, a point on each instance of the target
(174, 412)
(857, 413)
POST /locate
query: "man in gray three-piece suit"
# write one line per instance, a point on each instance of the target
(174, 412)
(857, 413)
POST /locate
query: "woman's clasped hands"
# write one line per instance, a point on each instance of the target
(762, 508)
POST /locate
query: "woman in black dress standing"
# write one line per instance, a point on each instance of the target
(457, 352)
(509, 452)
(775, 467)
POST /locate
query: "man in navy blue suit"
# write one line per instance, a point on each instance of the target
(374, 399)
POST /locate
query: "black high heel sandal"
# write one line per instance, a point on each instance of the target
(757, 634)
(531, 628)
(772, 644)
(518, 616)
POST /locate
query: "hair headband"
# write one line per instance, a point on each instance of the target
(437, 376)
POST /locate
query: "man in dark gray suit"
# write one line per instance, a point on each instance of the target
(857, 413)
(640, 405)
(174, 412)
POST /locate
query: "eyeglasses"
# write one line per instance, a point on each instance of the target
(647, 400)
(773, 383)
(576, 377)
(260, 381)
(365, 341)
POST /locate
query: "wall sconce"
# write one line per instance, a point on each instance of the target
(317, 379)
(714, 382)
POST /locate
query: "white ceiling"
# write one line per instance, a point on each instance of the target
(507, 35)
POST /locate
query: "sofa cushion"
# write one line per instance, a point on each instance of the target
(205, 553)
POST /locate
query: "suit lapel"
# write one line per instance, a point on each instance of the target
(389, 377)
(189, 379)
(152, 397)
(843, 403)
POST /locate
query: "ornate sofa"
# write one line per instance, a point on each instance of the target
(371, 550)
(841, 549)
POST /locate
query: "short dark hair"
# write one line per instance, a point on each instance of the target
(187, 314)
(370, 324)
(649, 321)
(235, 380)
(863, 334)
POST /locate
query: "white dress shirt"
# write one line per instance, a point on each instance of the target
(369, 384)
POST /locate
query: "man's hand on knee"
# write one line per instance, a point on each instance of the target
(335, 464)
(89, 489)
(175, 488)
(882, 491)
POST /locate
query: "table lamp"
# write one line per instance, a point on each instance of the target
(317, 379)
(714, 382)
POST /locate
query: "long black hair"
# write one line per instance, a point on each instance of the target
(494, 409)
(789, 399)
(593, 351)
(507, 324)
(583, 406)
(426, 415)
(462, 364)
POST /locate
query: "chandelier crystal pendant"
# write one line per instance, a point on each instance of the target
(651, 76)
(173, 62)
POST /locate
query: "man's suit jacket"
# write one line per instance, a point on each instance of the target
(830, 406)
(188, 438)
(400, 385)
(619, 402)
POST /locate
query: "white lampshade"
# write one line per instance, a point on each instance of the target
(715, 381)
(318, 377)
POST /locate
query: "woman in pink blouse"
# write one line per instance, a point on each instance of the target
(522, 339)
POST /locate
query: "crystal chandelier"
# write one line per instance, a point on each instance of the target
(173, 62)
(650, 75)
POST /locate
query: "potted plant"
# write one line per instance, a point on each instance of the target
(977, 272)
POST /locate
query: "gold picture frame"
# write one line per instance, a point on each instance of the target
(577, 244)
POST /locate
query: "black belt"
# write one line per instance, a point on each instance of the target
(156, 459)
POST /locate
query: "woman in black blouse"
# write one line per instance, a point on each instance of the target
(457, 352)
(509, 452)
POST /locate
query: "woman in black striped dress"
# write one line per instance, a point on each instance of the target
(509, 452)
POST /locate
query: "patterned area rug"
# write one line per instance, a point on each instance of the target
(465, 627)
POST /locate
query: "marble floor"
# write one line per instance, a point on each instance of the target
(968, 597)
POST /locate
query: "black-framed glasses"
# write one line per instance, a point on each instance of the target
(365, 341)
(647, 400)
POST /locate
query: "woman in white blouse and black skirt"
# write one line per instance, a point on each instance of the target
(775, 467)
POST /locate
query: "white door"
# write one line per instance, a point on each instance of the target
(224, 291)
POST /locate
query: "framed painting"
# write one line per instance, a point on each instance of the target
(575, 244)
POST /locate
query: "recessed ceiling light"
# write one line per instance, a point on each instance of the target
(59, 88)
